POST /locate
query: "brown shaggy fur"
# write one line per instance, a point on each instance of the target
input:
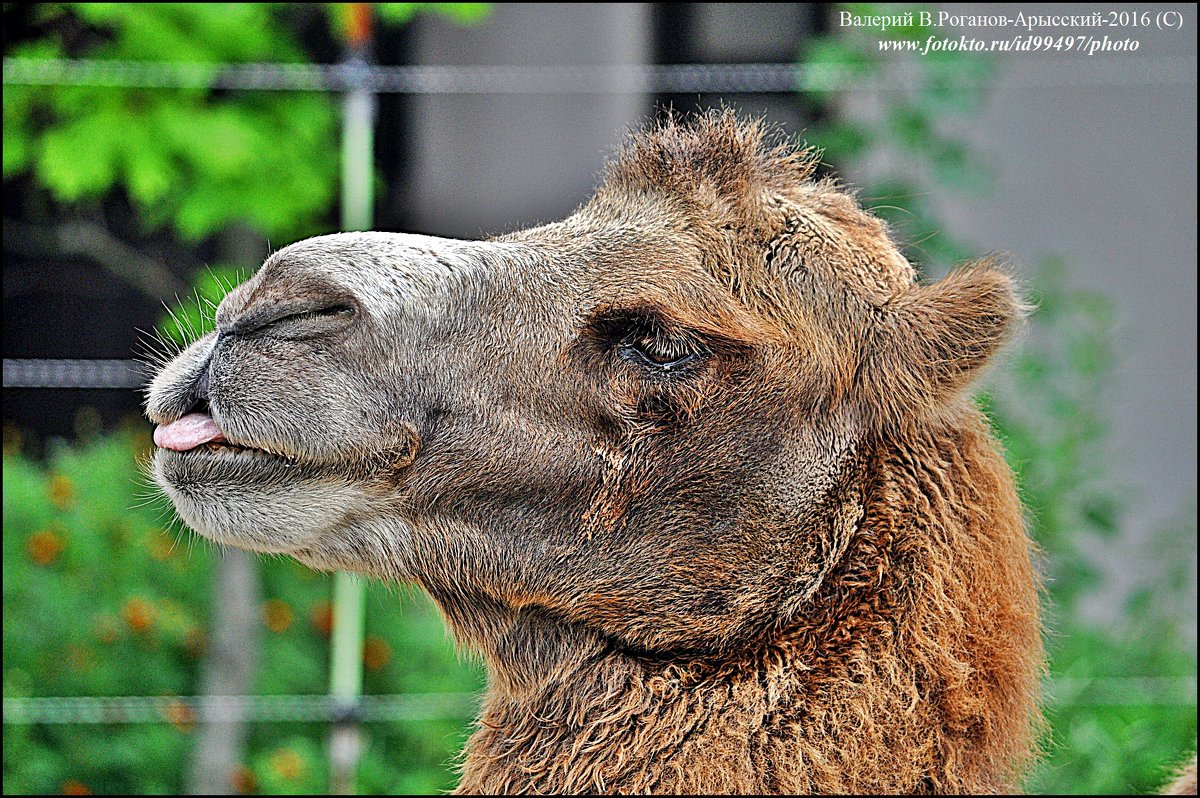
(915, 665)
(915, 672)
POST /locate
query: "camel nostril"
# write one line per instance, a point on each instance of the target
(199, 406)
(197, 398)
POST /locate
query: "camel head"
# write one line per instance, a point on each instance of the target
(650, 421)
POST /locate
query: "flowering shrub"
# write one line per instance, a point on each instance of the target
(105, 595)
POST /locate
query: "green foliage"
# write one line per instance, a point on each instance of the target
(96, 580)
(192, 159)
(1120, 739)
(1047, 414)
(90, 586)
(1126, 738)
(464, 13)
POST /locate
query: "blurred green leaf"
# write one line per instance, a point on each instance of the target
(467, 13)
(193, 159)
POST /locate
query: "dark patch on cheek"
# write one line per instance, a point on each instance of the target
(713, 603)
(659, 412)
(676, 405)
(407, 448)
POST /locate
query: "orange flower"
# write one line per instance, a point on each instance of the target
(45, 546)
(81, 658)
(287, 764)
(139, 614)
(242, 780)
(277, 615)
(62, 492)
(376, 653)
(73, 787)
(322, 618)
(181, 716)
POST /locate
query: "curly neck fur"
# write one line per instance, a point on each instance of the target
(913, 669)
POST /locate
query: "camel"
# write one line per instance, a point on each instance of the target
(696, 470)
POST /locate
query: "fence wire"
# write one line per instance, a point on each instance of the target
(1114, 691)
(231, 709)
(565, 79)
(71, 373)
(762, 78)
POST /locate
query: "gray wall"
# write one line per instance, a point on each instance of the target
(489, 163)
(1095, 160)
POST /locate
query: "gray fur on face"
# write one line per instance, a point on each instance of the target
(323, 429)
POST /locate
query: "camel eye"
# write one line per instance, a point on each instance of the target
(661, 355)
(643, 339)
(294, 322)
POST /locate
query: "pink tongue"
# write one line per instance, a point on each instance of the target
(188, 432)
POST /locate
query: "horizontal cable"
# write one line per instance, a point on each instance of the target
(767, 78)
(1062, 692)
(231, 709)
(74, 373)
(603, 79)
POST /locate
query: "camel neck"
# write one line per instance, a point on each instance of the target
(605, 721)
(912, 669)
(569, 712)
(779, 719)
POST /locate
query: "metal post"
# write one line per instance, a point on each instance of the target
(345, 672)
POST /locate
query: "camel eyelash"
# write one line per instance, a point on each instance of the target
(665, 357)
(641, 339)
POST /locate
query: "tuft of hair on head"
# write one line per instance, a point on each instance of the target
(716, 156)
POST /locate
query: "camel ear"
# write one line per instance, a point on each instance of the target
(931, 341)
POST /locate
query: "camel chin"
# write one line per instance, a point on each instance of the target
(254, 500)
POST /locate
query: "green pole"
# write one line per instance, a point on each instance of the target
(349, 598)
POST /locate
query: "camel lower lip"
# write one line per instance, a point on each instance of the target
(217, 465)
(226, 450)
